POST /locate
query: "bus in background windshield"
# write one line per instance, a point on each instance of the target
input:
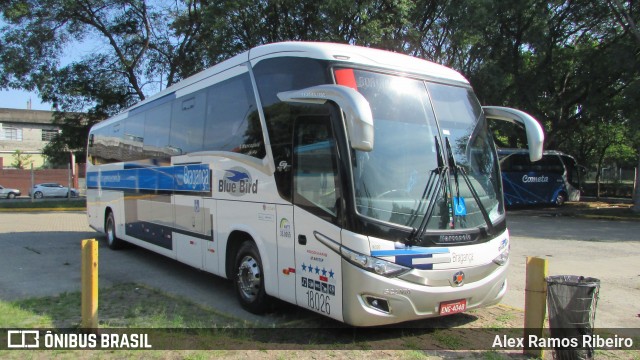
(554, 179)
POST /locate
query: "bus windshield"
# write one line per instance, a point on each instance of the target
(413, 119)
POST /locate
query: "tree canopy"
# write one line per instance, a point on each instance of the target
(574, 65)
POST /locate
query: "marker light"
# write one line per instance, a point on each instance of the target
(503, 257)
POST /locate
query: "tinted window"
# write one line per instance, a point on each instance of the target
(106, 145)
(517, 163)
(156, 138)
(284, 74)
(232, 122)
(187, 123)
(549, 163)
(316, 172)
(133, 137)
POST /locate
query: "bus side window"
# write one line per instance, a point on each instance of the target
(187, 123)
(106, 146)
(316, 173)
(232, 122)
(156, 137)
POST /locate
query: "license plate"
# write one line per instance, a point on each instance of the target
(452, 307)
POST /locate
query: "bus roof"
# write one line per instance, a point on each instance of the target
(317, 50)
(357, 55)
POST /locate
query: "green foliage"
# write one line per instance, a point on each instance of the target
(572, 65)
(21, 160)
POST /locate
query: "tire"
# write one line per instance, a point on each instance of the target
(249, 279)
(38, 195)
(561, 199)
(110, 229)
(11, 196)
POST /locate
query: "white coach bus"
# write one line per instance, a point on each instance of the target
(357, 183)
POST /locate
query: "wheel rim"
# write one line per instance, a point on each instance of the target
(12, 196)
(38, 195)
(111, 234)
(249, 278)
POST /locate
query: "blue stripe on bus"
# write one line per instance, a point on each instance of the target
(192, 178)
(407, 260)
(425, 252)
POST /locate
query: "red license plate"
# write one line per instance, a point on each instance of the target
(452, 307)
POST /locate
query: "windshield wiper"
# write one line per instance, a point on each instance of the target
(459, 169)
(434, 184)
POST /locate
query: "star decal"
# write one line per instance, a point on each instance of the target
(304, 267)
(317, 270)
(324, 272)
(331, 273)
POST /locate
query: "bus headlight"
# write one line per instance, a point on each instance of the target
(503, 257)
(370, 263)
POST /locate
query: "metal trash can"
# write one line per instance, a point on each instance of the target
(572, 302)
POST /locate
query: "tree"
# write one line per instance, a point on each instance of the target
(627, 16)
(21, 160)
(132, 44)
(573, 65)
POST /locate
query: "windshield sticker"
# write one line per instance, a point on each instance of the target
(237, 181)
(459, 207)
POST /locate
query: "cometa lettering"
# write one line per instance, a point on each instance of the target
(535, 179)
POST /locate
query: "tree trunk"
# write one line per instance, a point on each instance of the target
(636, 195)
(599, 170)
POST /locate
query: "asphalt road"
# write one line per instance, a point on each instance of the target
(606, 250)
(40, 255)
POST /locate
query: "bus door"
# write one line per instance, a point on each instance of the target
(316, 193)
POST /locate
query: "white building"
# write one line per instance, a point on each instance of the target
(25, 130)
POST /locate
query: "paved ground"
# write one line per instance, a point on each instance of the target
(606, 250)
(40, 255)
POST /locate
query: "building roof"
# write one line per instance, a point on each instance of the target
(23, 116)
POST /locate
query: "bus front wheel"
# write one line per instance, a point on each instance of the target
(561, 199)
(249, 279)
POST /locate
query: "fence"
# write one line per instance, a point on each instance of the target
(616, 182)
(21, 179)
(611, 175)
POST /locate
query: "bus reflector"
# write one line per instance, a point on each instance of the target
(346, 77)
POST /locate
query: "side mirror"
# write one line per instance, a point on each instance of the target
(356, 108)
(535, 135)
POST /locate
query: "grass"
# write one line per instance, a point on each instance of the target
(46, 204)
(121, 306)
(175, 323)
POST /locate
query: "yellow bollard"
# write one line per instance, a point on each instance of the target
(89, 284)
(535, 303)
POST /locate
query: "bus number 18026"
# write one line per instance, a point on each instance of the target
(319, 302)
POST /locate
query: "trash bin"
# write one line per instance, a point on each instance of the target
(572, 302)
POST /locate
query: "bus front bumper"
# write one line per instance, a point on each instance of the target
(376, 300)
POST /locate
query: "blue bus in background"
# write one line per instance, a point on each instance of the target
(554, 179)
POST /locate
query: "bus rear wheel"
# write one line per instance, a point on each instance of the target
(249, 279)
(110, 228)
(561, 199)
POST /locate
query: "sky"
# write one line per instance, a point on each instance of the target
(18, 99)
